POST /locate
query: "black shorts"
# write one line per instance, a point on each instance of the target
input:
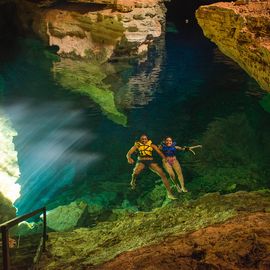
(146, 162)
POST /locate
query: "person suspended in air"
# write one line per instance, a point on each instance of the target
(171, 164)
(145, 149)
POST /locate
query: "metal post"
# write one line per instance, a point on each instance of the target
(5, 248)
(44, 229)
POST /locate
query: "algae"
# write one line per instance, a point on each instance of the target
(85, 247)
(87, 78)
(265, 103)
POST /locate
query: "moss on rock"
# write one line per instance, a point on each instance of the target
(87, 78)
(84, 246)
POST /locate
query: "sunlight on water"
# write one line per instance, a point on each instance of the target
(50, 142)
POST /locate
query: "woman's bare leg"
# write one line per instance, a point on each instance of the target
(171, 173)
(178, 170)
(156, 169)
(136, 171)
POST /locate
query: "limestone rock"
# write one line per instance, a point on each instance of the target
(98, 203)
(66, 217)
(103, 31)
(242, 33)
(241, 243)
(87, 247)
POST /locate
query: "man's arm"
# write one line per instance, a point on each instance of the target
(158, 151)
(129, 153)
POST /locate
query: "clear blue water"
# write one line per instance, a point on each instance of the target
(69, 149)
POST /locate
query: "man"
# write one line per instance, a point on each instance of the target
(145, 148)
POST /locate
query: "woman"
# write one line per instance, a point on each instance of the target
(171, 164)
(145, 149)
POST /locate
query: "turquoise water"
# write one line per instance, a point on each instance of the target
(71, 145)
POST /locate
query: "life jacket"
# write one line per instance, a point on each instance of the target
(145, 150)
(169, 151)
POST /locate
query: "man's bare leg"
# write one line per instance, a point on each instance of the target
(137, 170)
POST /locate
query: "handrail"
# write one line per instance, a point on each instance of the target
(5, 234)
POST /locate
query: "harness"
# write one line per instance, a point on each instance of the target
(145, 150)
(169, 151)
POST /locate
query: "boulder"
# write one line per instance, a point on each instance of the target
(66, 217)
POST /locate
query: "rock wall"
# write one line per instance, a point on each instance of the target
(241, 30)
(96, 29)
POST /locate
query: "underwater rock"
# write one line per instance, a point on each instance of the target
(66, 217)
(242, 33)
(96, 31)
(86, 247)
(153, 199)
(224, 164)
(242, 242)
(125, 209)
(99, 203)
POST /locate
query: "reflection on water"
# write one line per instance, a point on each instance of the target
(87, 78)
(142, 81)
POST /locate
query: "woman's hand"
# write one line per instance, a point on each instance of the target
(130, 161)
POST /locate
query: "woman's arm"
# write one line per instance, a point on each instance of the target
(181, 148)
(129, 153)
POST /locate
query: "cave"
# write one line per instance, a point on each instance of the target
(180, 11)
(9, 30)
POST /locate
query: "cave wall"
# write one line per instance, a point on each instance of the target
(95, 30)
(242, 32)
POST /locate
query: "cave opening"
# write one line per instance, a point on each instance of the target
(182, 13)
(9, 30)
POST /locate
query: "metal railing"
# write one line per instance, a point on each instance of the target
(11, 223)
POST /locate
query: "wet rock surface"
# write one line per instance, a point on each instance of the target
(240, 243)
(83, 248)
(241, 31)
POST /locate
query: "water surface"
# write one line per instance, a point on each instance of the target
(73, 137)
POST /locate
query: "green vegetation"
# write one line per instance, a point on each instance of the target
(265, 103)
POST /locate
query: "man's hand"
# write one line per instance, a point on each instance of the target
(130, 161)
